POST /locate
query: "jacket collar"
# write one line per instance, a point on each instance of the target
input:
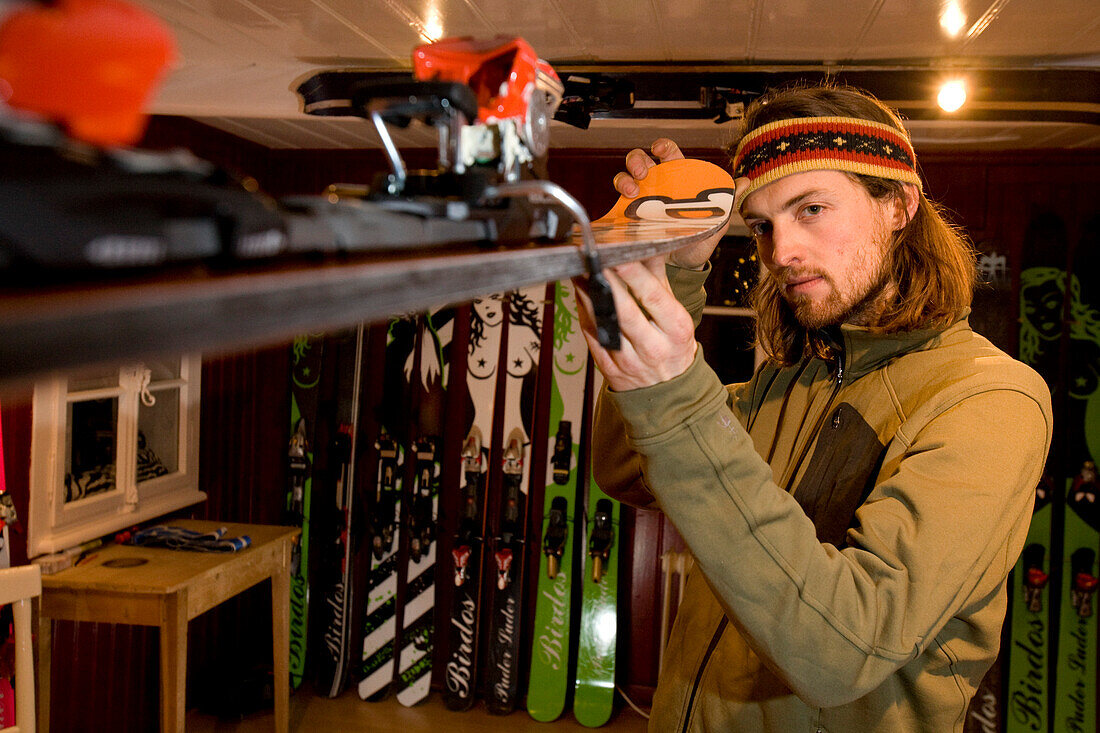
(864, 351)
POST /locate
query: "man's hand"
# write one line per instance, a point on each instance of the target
(658, 336)
(638, 163)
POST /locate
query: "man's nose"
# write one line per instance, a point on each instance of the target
(787, 246)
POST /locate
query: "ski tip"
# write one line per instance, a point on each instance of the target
(412, 701)
(498, 708)
(458, 704)
(592, 719)
(368, 695)
(543, 715)
(593, 703)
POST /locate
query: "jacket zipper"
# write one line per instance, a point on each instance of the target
(837, 384)
(702, 667)
(725, 619)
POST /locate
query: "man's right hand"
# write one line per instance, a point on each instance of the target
(638, 163)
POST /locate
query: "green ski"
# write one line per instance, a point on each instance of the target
(595, 686)
(305, 376)
(1042, 290)
(550, 653)
(1029, 655)
(1075, 674)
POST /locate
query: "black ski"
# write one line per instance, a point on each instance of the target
(502, 670)
(340, 497)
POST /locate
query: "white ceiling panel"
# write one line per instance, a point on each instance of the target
(906, 30)
(811, 30)
(1053, 28)
(241, 59)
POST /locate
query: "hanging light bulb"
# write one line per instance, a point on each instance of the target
(952, 95)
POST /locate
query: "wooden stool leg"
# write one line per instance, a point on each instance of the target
(24, 665)
(280, 634)
(173, 663)
(44, 643)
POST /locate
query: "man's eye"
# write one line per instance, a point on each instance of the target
(760, 228)
(813, 209)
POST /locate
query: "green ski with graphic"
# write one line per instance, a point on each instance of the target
(1032, 602)
(1030, 638)
(551, 641)
(305, 376)
(594, 693)
(1075, 673)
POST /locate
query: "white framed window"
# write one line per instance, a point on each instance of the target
(112, 447)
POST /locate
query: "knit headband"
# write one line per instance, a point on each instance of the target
(823, 143)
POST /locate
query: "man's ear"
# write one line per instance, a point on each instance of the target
(905, 206)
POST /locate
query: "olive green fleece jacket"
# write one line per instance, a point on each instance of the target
(853, 527)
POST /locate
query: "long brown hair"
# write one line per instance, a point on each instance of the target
(930, 263)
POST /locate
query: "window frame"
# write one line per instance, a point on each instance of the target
(54, 524)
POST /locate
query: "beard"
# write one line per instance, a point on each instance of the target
(835, 309)
(860, 305)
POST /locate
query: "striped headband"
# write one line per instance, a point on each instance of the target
(823, 143)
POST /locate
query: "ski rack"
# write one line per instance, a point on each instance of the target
(63, 326)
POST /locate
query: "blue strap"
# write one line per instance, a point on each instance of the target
(181, 538)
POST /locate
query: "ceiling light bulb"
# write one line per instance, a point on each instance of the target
(952, 19)
(952, 95)
(433, 25)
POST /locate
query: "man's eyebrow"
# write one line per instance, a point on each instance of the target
(791, 203)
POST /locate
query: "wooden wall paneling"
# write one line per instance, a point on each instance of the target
(15, 418)
(241, 156)
(294, 172)
(652, 536)
(961, 188)
(245, 401)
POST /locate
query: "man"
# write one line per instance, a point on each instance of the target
(855, 508)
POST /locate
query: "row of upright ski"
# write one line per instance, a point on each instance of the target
(1053, 633)
(436, 462)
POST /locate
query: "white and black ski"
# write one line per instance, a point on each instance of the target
(429, 365)
(380, 627)
(484, 354)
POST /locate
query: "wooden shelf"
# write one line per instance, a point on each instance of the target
(213, 310)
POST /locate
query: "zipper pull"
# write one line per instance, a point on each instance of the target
(839, 371)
